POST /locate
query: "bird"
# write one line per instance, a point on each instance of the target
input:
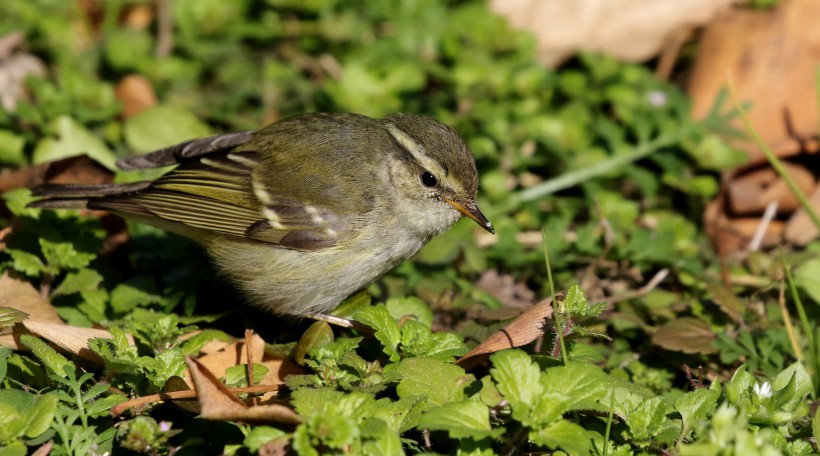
(306, 211)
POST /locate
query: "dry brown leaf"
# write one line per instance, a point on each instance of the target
(174, 384)
(730, 235)
(218, 403)
(79, 169)
(504, 288)
(139, 16)
(524, 329)
(136, 94)
(633, 30)
(751, 192)
(772, 55)
(15, 69)
(800, 230)
(21, 295)
(727, 300)
(234, 354)
(687, 335)
(71, 339)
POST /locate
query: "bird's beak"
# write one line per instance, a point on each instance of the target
(470, 209)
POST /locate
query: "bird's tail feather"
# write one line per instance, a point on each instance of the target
(77, 196)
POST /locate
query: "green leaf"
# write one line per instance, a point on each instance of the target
(435, 380)
(381, 439)
(739, 387)
(647, 419)
(162, 126)
(564, 435)
(401, 306)
(318, 335)
(696, 405)
(138, 292)
(102, 406)
(790, 386)
(418, 340)
(15, 448)
(9, 316)
(64, 255)
(27, 263)
(387, 331)
(805, 276)
(467, 418)
(193, 344)
(815, 426)
(17, 200)
(73, 139)
(55, 362)
(164, 365)
(76, 282)
(311, 401)
(40, 415)
(260, 435)
(25, 414)
(4, 364)
(11, 148)
(517, 378)
(332, 430)
(237, 376)
(352, 304)
(440, 250)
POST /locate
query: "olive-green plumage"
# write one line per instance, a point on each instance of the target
(306, 211)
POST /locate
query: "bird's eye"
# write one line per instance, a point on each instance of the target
(428, 179)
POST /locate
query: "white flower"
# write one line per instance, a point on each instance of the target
(657, 98)
(763, 391)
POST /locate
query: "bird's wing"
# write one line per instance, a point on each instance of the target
(186, 151)
(215, 189)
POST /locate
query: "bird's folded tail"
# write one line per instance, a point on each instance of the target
(77, 196)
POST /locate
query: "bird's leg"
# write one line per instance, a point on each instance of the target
(331, 319)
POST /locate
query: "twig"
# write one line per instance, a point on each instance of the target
(165, 29)
(765, 221)
(787, 321)
(249, 354)
(651, 285)
(120, 408)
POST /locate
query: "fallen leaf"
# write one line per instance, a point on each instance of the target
(751, 192)
(232, 355)
(178, 384)
(504, 288)
(633, 30)
(730, 235)
(218, 403)
(772, 55)
(136, 94)
(14, 70)
(728, 302)
(522, 330)
(800, 230)
(21, 295)
(687, 335)
(79, 169)
(71, 339)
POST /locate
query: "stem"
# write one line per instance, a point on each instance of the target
(618, 160)
(559, 327)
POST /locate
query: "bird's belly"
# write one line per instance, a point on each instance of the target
(298, 283)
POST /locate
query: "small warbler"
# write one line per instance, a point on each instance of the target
(303, 212)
